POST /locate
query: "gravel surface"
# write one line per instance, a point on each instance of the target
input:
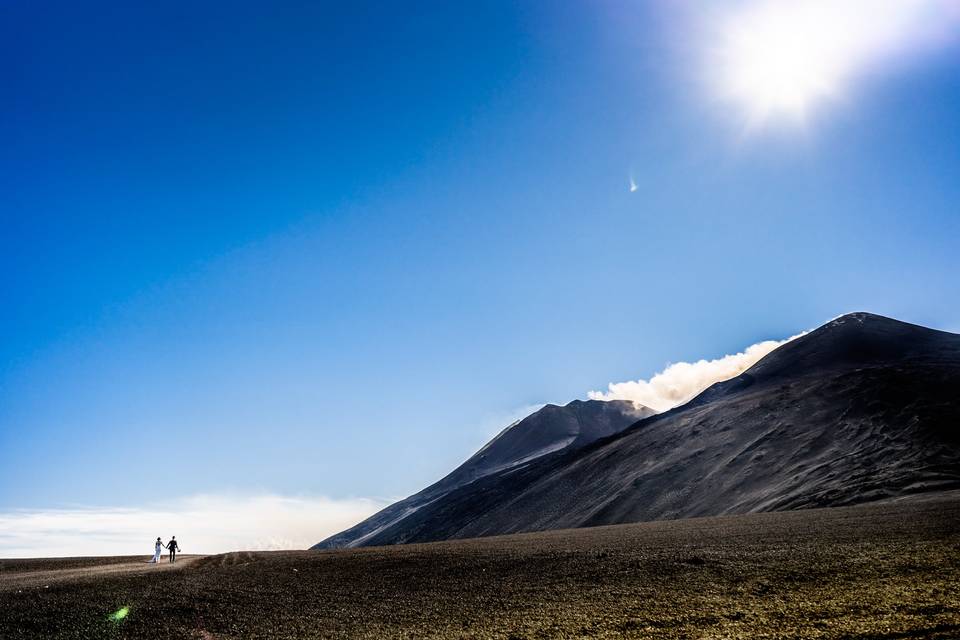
(16, 574)
(879, 571)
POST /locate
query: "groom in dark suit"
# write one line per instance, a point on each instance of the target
(173, 547)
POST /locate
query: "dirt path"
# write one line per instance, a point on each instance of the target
(31, 578)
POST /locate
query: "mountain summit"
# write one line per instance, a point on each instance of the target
(550, 430)
(864, 408)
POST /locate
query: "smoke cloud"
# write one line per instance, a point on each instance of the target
(203, 524)
(680, 382)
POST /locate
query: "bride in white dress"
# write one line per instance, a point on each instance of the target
(156, 553)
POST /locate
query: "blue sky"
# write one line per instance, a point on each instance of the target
(327, 251)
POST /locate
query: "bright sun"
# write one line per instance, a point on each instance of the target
(779, 62)
(780, 58)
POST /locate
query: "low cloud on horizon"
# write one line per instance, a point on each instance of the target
(202, 523)
(680, 382)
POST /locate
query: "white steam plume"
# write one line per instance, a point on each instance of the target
(681, 381)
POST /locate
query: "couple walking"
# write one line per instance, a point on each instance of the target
(171, 546)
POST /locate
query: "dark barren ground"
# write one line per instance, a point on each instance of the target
(880, 571)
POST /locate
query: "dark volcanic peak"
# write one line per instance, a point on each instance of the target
(861, 338)
(854, 338)
(550, 430)
(861, 409)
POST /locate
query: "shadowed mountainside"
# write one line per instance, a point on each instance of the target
(549, 430)
(861, 409)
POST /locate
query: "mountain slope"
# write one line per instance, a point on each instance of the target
(549, 430)
(863, 408)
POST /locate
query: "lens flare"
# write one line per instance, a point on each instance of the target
(119, 614)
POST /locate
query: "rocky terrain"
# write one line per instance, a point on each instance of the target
(880, 571)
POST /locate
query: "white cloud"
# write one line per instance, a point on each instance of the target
(681, 381)
(202, 524)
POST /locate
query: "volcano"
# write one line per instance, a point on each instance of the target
(863, 409)
(548, 431)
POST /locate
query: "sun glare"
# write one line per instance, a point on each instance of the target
(780, 59)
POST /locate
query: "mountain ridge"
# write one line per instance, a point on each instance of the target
(815, 422)
(547, 431)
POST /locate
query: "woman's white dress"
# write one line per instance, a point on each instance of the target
(156, 554)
